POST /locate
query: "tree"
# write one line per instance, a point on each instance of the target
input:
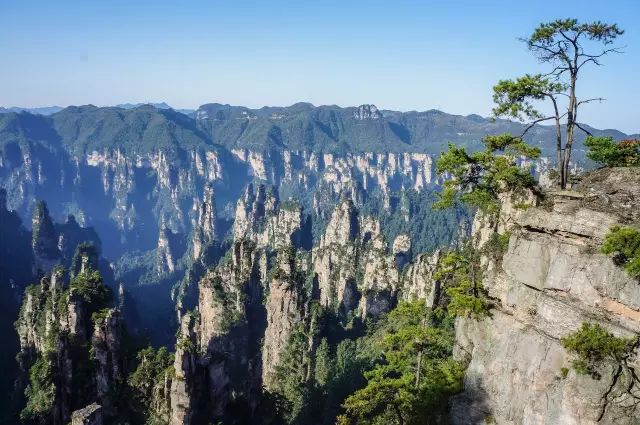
(611, 154)
(625, 243)
(479, 179)
(414, 375)
(566, 45)
(460, 274)
(594, 347)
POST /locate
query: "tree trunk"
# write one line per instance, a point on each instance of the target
(418, 368)
(474, 285)
(559, 151)
(571, 120)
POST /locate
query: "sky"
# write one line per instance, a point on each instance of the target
(402, 55)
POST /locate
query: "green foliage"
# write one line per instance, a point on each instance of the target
(411, 212)
(90, 287)
(84, 250)
(41, 391)
(593, 346)
(323, 364)
(565, 45)
(154, 365)
(626, 242)
(496, 246)
(514, 98)
(100, 315)
(291, 375)
(478, 179)
(547, 34)
(460, 274)
(414, 373)
(606, 151)
(185, 344)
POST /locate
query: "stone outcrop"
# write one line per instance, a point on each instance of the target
(417, 279)
(63, 328)
(214, 362)
(90, 415)
(45, 239)
(205, 230)
(551, 280)
(367, 112)
(284, 308)
(355, 271)
(335, 259)
(166, 258)
(185, 382)
(218, 357)
(106, 342)
(401, 249)
(263, 219)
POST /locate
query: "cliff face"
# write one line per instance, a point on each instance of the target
(106, 341)
(551, 280)
(219, 359)
(357, 270)
(268, 289)
(63, 332)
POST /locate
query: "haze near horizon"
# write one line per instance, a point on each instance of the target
(404, 56)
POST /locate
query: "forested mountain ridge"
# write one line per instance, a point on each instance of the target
(299, 127)
(276, 241)
(304, 127)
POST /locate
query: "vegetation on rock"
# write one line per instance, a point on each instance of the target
(593, 346)
(596, 350)
(460, 274)
(479, 179)
(625, 242)
(609, 153)
(413, 371)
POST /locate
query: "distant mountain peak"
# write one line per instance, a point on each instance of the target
(43, 110)
(161, 105)
(367, 112)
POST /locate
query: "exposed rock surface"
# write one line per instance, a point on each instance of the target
(251, 303)
(205, 231)
(45, 240)
(263, 219)
(551, 280)
(90, 415)
(219, 360)
(355, 271)
(185, 382)
(284, 311)
(106, 342)
(65, 329)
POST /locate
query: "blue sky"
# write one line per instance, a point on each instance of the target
(404, 55)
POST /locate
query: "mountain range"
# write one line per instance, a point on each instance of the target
(264, 246)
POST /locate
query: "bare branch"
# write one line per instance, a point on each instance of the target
(580, 127)
(604, 52)
(600, 99)
(557, 71)
(530, 126)
(594, 58)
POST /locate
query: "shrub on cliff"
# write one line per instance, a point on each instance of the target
(478, 179)
(625, 241)
(593, 346)
(609, 153)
